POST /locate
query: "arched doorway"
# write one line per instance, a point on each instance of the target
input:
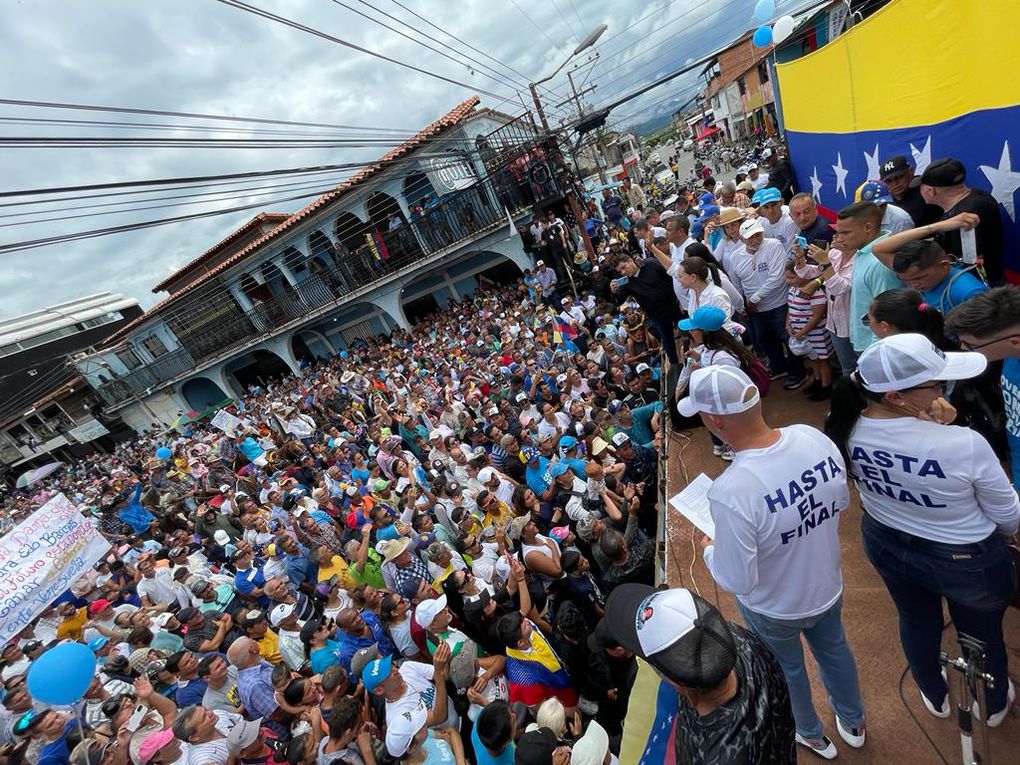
(257, 368)
(201, 393)
(382, 210)
(418, 189)
(309, 345)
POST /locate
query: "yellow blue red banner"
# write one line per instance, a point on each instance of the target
(925, 79)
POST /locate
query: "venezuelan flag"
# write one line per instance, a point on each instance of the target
(925, 79)
(565, 329)
(537, 674)
(649, 731)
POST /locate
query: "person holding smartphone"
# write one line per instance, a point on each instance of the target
(831, 268)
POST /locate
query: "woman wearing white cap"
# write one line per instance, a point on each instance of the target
(937, 506)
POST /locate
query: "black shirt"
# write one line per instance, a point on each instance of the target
(755, 726)
(988, 232)
(920, 211)
(652, 287)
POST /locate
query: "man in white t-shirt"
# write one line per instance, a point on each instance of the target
(758, 271)
(678, 236)
(155, 588)
(776, 515)
(415, 695)
(777, 221)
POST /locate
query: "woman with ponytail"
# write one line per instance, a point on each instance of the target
(903, 310)
(937, 505)
(977, 401)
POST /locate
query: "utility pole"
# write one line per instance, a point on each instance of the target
(576, 98)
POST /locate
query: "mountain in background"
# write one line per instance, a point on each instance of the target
(651, 125)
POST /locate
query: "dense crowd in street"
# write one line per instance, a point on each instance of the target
(440, 546)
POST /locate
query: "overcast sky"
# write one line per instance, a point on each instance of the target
(203, 56)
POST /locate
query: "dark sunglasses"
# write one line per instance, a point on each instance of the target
(939, 386)
(969, 347)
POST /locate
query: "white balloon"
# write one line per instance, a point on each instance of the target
(782, 29)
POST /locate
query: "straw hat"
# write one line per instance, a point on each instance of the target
(730, 215)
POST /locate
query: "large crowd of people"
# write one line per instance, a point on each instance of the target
(440, 546)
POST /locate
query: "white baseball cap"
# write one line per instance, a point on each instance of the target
(280, 612)
(401, 730)
(539, 263)
(486, 474)
(750, 227)
(642, 367)
(427, 610)
(592, 747)
(904, 361)
(718, 390)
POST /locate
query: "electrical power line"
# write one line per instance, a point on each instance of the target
(248, 8)
(190, 115)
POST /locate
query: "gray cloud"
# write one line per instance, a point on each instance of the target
(201, 56)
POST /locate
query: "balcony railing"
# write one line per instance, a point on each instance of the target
(528, 180)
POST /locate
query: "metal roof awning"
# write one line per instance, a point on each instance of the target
(706, 133)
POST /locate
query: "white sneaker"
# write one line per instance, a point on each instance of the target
(853, 736)
(823, 748)
(942, 711)
(727, 453)
(994, 721)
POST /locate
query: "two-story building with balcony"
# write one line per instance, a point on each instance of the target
(423, 225)
(46, 409)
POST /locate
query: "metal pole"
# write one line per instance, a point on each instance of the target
(538, 107)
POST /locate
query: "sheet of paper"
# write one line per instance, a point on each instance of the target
(692, 504)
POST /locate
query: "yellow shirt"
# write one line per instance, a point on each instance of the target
(269, 647)
(337, 566)
(74, 627)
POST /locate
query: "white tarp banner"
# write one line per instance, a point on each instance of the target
(88, 431)
(225, 421)
(448, 173)
(41, 558)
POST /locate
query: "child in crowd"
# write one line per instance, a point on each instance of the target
(805, 324)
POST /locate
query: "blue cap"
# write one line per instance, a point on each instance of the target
(707, 211)
(873, 191)
(707, 318)
(529, 453)
(558, 469)
(375, 672)
(614, 406)
(708, 198)
(98, 642)
(568, 442)
(765, 196)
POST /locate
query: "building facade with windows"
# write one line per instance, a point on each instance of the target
(42, 397)
(401, 238)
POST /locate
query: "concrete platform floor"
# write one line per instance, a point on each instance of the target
(868, 615)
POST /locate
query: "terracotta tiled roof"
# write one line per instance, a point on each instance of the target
(451, 119)
(274, 218)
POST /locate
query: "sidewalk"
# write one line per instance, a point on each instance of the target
(868, 615)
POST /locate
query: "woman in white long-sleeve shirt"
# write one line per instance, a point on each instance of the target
(937, 506)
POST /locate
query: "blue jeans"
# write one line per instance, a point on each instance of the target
(769, 333)
(836, 664)
(845, 353)
(977, 580)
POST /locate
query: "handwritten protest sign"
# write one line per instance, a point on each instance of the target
(225, 421)
(40, 558)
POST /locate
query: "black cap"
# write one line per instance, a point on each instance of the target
(944, 172)
(536, 748)
(679, 634)
(894, 166)
(185, 615)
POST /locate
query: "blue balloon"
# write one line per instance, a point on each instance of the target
(62, 674)
(343, 354)
(762, 36)
(763, 10)
(164, 453)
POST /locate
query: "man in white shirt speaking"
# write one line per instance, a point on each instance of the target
(776, 513)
